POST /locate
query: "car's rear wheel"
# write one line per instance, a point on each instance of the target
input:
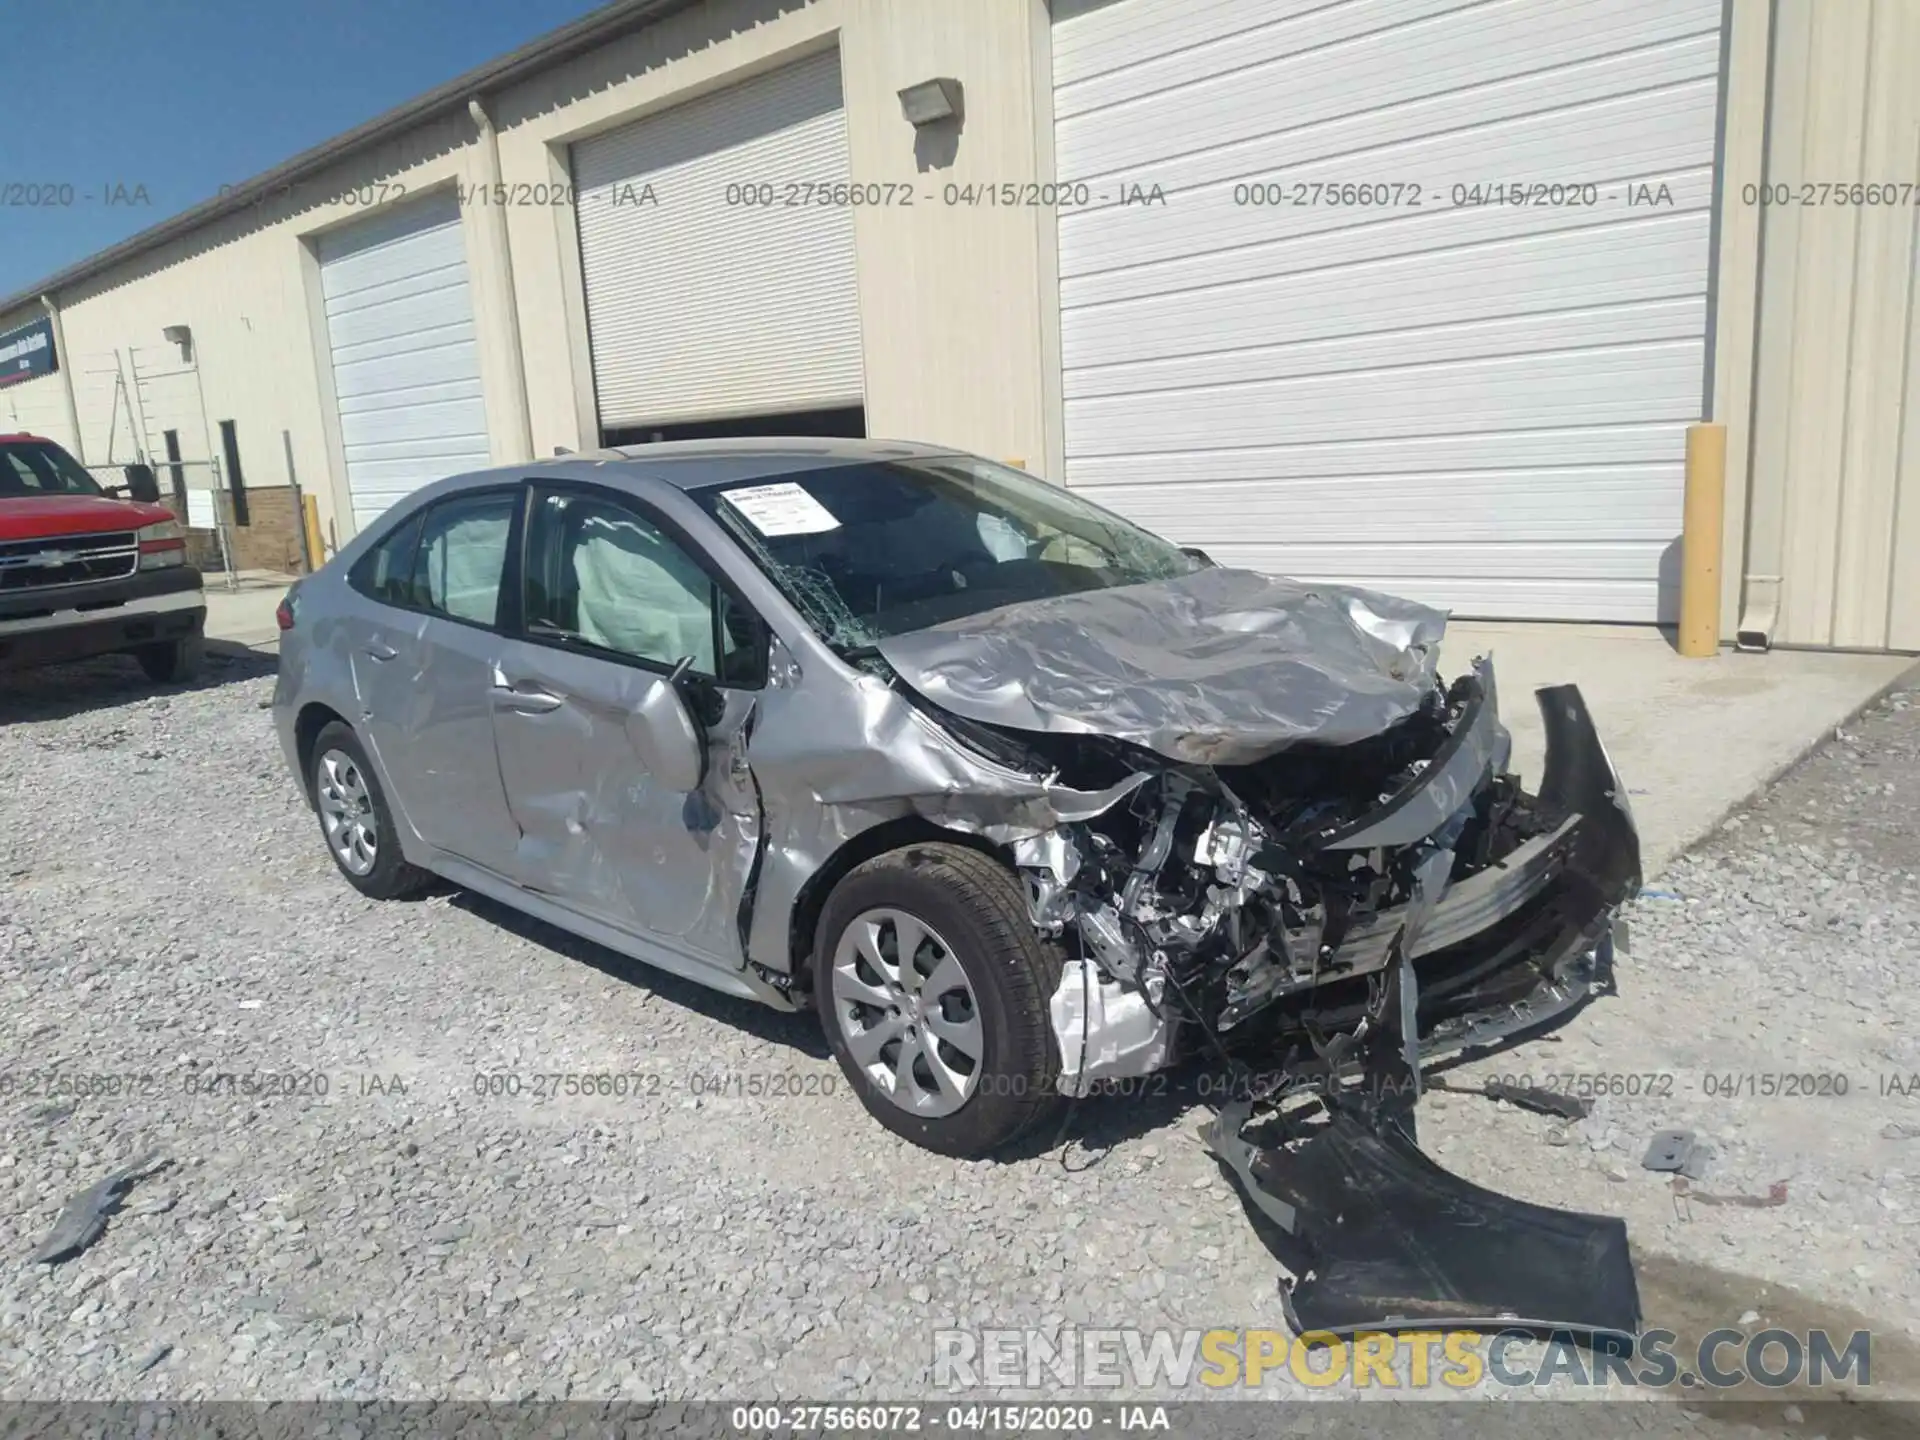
(933, 989)
(357, 821)
(173, 662)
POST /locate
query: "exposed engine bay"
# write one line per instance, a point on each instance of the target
(1329, 919)
(1316, 869)
(1261, 905)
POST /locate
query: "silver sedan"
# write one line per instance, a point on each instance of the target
(1025, 800)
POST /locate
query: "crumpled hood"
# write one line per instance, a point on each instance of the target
(1219, 667)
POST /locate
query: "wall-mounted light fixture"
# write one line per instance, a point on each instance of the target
(932, 101)
(182, 336)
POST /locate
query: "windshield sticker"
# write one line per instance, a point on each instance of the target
(782, 509)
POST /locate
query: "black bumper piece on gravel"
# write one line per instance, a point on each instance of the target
(1397, 1243)
(1388, 1240)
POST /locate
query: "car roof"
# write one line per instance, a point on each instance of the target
(699, 464)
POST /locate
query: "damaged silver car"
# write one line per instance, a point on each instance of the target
(1022, 798)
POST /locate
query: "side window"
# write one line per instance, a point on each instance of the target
(17, 477)
(385, 573)
(461, 556)
(599, 574)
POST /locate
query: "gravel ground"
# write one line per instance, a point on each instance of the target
(171, 914)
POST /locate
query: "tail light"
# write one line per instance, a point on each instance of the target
(162, 545)
(283, 612)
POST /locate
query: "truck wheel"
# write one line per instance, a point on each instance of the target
(173, 662)
(933, 989)
(356, 820)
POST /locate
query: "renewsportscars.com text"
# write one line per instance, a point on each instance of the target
(1415, 1360)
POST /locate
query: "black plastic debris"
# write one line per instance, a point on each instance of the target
(1387, 1239)
(1396, 1242)
(1539, 1100)
(1535, 1098)
(1678, 1152)
(84, 1220)
(1379, 1235)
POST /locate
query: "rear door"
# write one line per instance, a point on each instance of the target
(616, 604)
(424, 655)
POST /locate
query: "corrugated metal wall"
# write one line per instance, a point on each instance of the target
(1834, 504)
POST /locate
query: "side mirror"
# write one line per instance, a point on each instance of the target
(142, 484)
(749, 663)
(669, 742)
(1195, 552)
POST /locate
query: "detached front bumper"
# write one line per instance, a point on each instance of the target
(1388, 1239)
(1488, 935)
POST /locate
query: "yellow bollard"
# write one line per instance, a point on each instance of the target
(1700, 540)
(316, 547)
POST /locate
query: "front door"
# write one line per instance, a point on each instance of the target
(615, 606)
(423, 655)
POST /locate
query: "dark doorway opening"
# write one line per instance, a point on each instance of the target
(848, 423)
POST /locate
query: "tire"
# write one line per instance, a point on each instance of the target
(975, 911)
(173, 662)
(337, 768)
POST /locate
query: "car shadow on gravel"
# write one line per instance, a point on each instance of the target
(1087, 1128)
(59, 692)
(799, 1030)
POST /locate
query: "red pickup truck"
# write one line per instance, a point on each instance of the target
(84, 571)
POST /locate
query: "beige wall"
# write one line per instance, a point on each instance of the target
(954, 303)
(39, 406)
(247, 287)
(1815, 304)
(1827, 503)
(951, 300)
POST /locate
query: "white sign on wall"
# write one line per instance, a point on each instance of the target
(201, 512)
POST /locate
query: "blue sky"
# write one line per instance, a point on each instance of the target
(178, 97)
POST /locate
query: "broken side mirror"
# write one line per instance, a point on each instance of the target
(142, 484)
(670, 741)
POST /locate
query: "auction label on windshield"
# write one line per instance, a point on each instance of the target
(782, 509)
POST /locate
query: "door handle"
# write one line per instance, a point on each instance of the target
(378, 650)
(530, 701)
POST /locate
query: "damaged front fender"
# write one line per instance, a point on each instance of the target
(835, 761)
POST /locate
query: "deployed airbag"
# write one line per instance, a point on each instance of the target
(640, 594)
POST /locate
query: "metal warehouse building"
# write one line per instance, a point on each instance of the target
(1421, 294)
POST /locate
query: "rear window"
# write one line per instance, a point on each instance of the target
(40, 467)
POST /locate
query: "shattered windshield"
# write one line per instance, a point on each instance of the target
(869, 551)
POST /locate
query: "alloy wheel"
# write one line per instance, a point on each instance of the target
(907, 1012)
(346, 812)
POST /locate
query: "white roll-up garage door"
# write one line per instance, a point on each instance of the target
(705, 301)
(406, 368)
(1426, 305)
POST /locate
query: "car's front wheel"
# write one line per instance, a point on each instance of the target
(933, 988)
(357, 821)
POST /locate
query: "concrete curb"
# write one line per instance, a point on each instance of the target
(1906, 679)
